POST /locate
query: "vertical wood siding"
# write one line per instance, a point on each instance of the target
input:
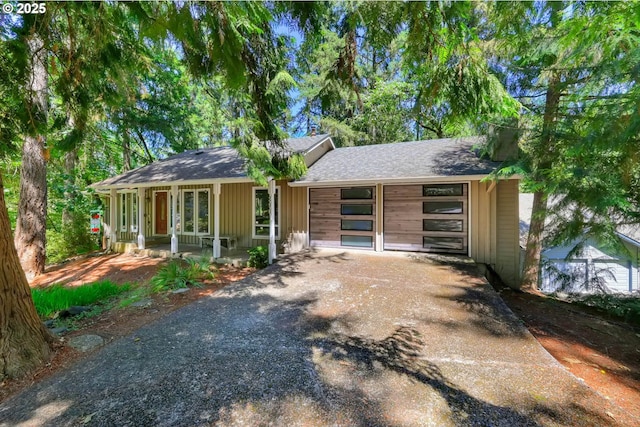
(495, 228)
(507, 232)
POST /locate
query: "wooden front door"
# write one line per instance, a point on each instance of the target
(161, 212)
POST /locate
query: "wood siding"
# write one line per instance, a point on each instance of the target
(495, 228)
(404, 218)
(325, 217)
(236, 216)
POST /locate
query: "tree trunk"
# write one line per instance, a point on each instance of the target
(545, 153)
(30, 239)
(24, 341)
(533, 251)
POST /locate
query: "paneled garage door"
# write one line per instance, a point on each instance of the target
(426, 218)
(342, 217)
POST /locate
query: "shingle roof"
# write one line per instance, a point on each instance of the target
(200, 164)
(206, 163)
(303, 144)
(402, 160)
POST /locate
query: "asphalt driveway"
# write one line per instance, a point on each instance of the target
(325, 338)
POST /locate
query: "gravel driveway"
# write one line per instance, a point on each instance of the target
(325, 338)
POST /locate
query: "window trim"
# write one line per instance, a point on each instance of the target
(135, 211)
(196, 211)
(254, 236)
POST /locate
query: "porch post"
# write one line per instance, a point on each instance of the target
(272, 220)
(216, 219)
(141, 221)
(174, 219)
(113, 215)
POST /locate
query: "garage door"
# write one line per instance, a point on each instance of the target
(342, 217)
(426, 218)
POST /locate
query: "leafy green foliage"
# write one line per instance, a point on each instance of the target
(258, 257)
(58, 297)
(625, 307)
(181, 274)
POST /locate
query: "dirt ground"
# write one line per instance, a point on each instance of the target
(603, 352)
(118, 322)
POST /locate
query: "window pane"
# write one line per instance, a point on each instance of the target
(442, 207)
(356, 209)
(123, 212)
(442, 242)
(350, 224)
(261, 214)
(188, 211)
(358, 241)
(442, 225)
(262, 207)
(356, 193)
(442, 190)
(203, 212)
(134, 213)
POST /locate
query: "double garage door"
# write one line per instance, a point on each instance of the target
(425, 218)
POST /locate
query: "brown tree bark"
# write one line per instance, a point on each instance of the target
(533, 251)
(24, 341)
(545, 153)
(30, 238)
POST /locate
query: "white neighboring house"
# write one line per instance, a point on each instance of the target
(596, 266)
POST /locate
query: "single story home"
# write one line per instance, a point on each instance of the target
(421, 196)
(597, 267)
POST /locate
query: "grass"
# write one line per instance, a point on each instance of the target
(57, 297)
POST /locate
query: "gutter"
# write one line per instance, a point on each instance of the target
(413, 180)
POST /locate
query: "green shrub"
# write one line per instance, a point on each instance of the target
(178, 274)
(625, 307)
(71, 239)
(57, 297)
(258, 257)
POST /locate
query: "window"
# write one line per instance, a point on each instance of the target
(356, 209)
(442, 225)
(357, 241)
(448, 243)
(195, 212)
(361, 225)
(261, 213)
(442, 190)
(134, 213)
(123, 212)
(442, 207)
(356, 193)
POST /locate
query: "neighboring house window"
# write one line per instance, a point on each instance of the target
(195, 212)
(261, 212)
(123, 212)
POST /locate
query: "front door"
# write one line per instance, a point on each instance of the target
(161, 212)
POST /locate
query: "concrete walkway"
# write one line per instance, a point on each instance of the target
(327, 338)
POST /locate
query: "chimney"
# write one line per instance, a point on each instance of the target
(313, 131)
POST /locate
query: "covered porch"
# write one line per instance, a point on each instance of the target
(219, 220)
(238, 257)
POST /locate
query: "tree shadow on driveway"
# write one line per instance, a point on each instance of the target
(259, 353)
